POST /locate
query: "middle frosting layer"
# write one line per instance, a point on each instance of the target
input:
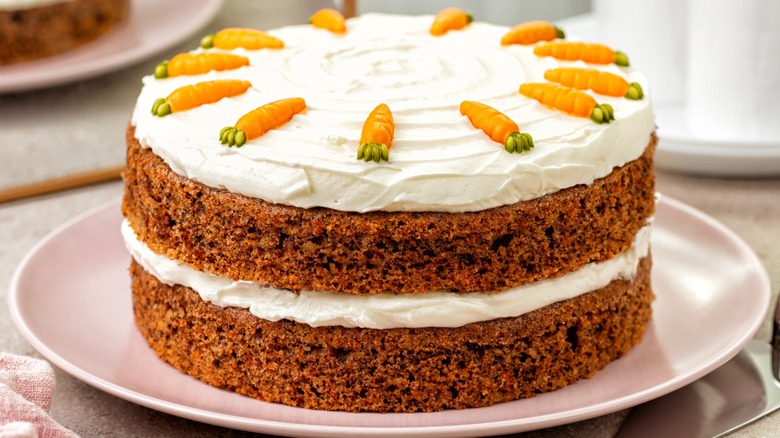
(385, 311)
(438, 161)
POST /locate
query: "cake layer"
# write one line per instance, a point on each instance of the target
(396, 370)
(385, 311)
(319, 249)
(37, 31)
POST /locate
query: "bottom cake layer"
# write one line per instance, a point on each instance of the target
(395, 370)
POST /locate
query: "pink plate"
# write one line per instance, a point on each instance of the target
(70, 298)
(153, 26)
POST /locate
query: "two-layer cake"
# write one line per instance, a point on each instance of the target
(448, 273)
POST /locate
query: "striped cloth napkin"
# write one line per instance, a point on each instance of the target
(26, 388)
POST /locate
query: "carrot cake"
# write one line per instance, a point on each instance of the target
(35, 29)
(392, 213)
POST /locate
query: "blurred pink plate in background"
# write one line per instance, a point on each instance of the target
(153, 27)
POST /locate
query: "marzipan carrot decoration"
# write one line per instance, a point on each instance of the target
(532, 32)
(189, 64)
(450, 19)
(497, 126)
(191, 96)
(589, 52)
(601, 82)
(233, 37)
(329, 19)
(568, 100)
(377, 135)
(261, 120)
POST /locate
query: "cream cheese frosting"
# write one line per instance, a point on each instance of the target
(386, 311)
(438, 160)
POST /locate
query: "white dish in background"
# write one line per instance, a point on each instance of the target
(70, 298)
(153, 26)
(680, 148)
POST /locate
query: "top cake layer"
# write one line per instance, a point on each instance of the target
(438, 160)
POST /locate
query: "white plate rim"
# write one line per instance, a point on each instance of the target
(59, 69)
(681, 150)
(496, 427)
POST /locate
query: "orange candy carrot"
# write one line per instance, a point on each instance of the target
(189, 64)
(191, 96)
(261, 120)
(589, 52)
(450, 19)
(329, 19)
(377, 135)
(568, 100)
(602, 82)
(497, 126)
(532, 32)
(233, 37)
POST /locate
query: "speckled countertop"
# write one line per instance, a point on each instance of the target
(78, 127)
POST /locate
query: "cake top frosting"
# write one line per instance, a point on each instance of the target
(438, 161)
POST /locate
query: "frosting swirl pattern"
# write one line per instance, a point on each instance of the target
(438, 161)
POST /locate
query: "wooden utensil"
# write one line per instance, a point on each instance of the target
(60, 184)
